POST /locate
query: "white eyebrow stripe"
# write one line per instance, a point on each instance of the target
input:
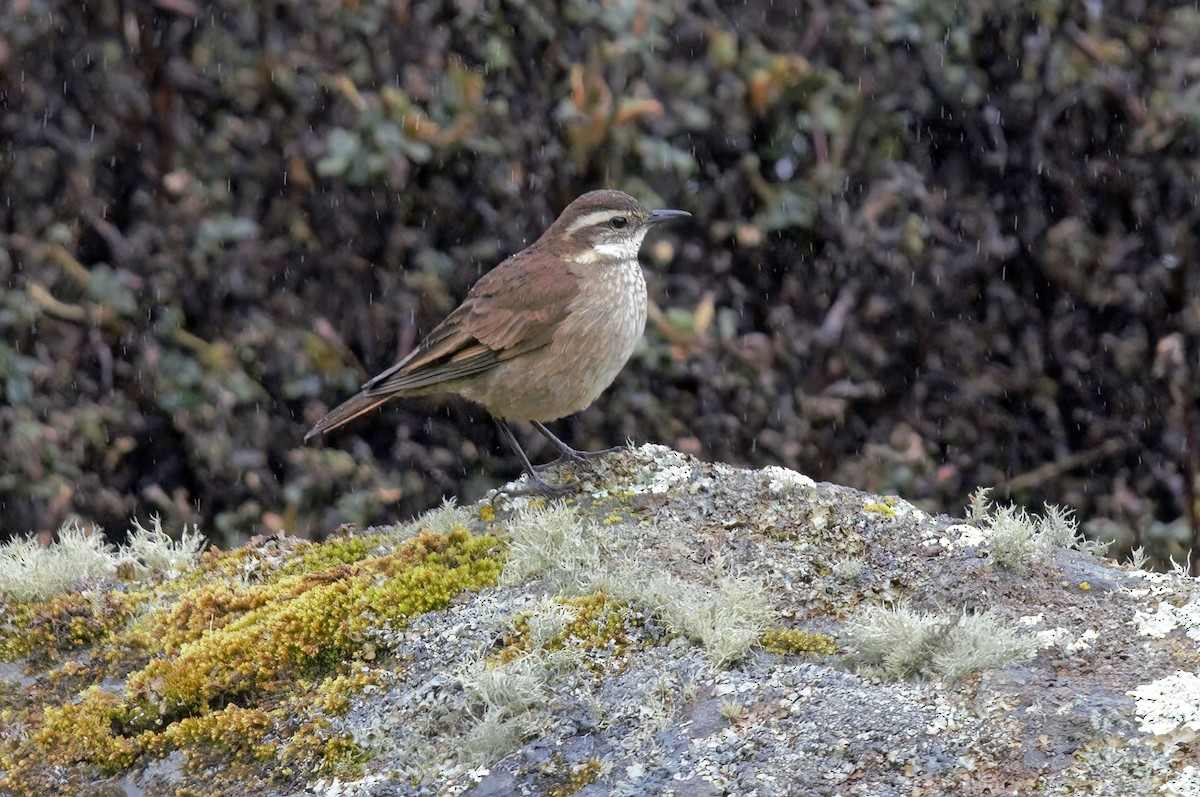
(595, 217)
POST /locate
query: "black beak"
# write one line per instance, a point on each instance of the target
(657, 216)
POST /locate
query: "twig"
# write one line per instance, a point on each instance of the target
(1052, 470)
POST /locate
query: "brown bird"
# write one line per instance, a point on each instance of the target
(541, 335)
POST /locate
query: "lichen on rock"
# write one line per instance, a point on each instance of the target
(673, 621)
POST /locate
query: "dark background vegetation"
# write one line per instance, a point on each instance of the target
(936, 245)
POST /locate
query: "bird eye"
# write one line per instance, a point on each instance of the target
(618, 222)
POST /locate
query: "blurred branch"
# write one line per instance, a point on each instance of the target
(1053, 470)
(67, 312)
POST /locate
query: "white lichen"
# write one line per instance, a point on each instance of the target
(151, 550)
(848, 570)
(1066, 639)
(1016, 538)
(440, 520)
(553, 543)
(1169, 704)
(31, 572)
(83, 557)
(962, 535)
(899, 643)
(784, 481)
(1166, 618)
(572, 556)
(1185, 784)
(509, 701)
(659, 469)
(726, 620)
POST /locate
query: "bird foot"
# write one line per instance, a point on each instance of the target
(538, 486)
(571, 455)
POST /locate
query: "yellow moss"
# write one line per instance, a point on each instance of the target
(600, 622)
(205, 609)
(69, 678)
(257, 560)
(82, 732)
(62, 623)
(233, 730)
(487, 513)
(224, 668)
(885, 507)
(612, 518)
(313, 747)
(315, 620)
(793, 641)
(218, 604)
(585, 773)
(311, 743)
(336, 551)
(14, 625)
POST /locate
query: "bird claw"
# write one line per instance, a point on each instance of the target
(571, 455)
(540, 487)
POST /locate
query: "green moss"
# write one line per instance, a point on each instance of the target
(68, 679)
(791, 641)
(204, 610)
(241, 666)
(331, 553)
(311, 744)
(324, 556)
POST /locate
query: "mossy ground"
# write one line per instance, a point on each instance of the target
(599, 623)
(618, 657)
(791, 641)
(243, 662)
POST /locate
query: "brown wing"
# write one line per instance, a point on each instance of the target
(512, 309)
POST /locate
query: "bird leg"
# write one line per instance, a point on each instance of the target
(537, 485)
(565, 452)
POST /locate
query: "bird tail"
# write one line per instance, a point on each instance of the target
(345, 412)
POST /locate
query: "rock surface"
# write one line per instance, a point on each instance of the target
(642, 640)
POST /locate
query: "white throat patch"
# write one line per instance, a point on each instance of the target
(626, 249)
